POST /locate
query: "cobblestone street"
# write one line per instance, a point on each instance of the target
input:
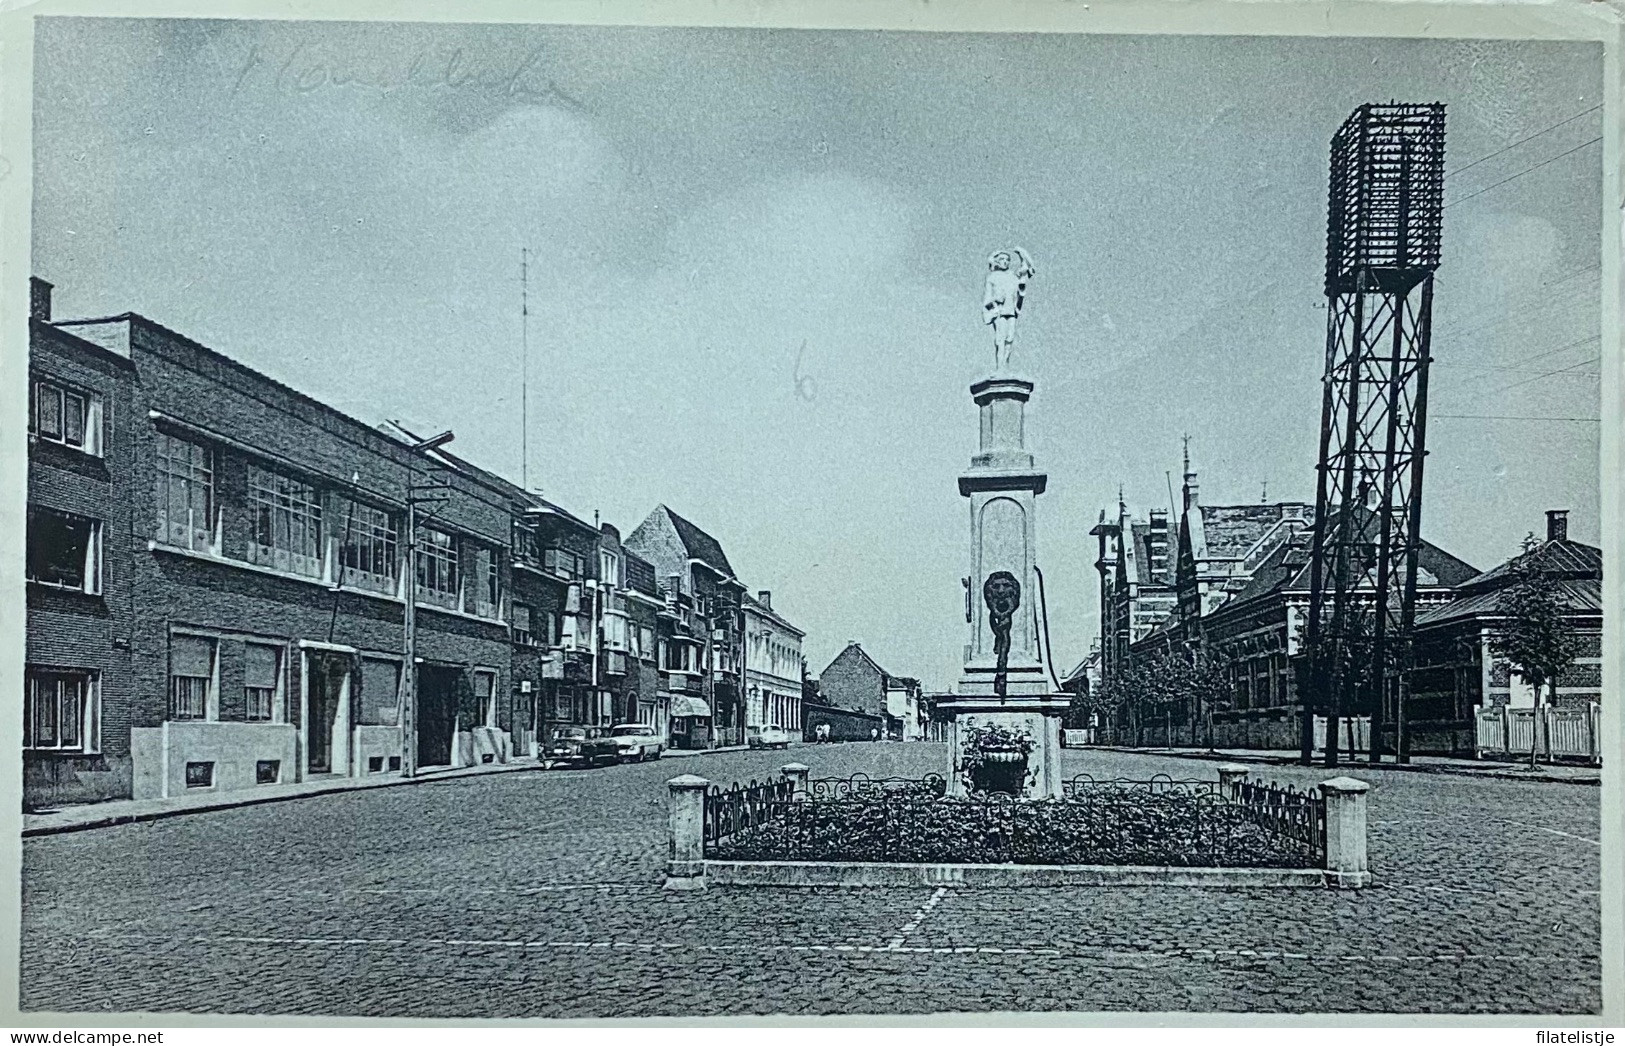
(538, 895)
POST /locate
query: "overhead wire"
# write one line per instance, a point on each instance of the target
(1520, 174)
(1520, 141)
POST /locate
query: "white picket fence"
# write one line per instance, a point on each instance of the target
(1353, 733)
(1553, 733)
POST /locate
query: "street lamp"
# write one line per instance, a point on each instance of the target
(409, 668)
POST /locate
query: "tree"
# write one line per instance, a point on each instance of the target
(1535, 639)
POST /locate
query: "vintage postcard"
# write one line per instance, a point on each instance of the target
(516, 519)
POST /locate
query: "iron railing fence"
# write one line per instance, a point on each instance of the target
(729, 811)
(1086, 784)
(863, 784)
(1288, 813)
(1160, 821)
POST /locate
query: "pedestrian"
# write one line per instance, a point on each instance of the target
(874, 734)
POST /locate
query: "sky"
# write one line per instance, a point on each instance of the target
(756, 265)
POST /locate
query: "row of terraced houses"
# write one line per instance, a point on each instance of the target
(217, 571)
(1233, 580)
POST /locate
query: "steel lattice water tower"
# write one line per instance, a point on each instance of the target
(1382, 246)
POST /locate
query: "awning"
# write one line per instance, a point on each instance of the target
(685, 706)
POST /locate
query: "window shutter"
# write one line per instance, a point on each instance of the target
(191, 656)
(380, 692)
(260, 666)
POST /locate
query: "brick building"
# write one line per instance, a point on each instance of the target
(701, 629)
(1456, 666)
(217, 572)
(629, 605)
(855, 682)
(79, 679)
(1236, 586)
(252, 559)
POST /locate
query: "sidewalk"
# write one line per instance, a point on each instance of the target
(1422, 764)
(83, 816)
(684, 753)
(128, 811)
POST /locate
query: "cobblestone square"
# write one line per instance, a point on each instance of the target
(538, 895)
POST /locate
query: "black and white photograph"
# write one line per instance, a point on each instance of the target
(545, 520)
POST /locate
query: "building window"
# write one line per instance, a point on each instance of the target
(185, 494)
(62, 415)
(646, 642)
(287, 517)
(200, 775)
(262, 677)
(369, 554)
(267, 771)
(62, 711)
(488, 596)
(552, 628)
(609, 569)
(615, 632)
(437, 566)
(520, 615)
(524, 543)
(191, 676)
(64, 550)
(562, 561)
(485, 691)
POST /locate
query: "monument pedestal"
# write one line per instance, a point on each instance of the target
(1014, 691)
(1039, 718)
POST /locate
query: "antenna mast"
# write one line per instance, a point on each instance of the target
(524, 368)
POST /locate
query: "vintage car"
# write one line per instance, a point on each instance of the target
(579, 746)
(767, 737)
(635, 742)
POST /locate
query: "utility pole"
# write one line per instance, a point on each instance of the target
(409, 666)
(409, 630)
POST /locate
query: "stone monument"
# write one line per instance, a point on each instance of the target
(1004, 700)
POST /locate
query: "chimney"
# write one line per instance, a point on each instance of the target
(1557, 524)
(765, 598)
(39, 299)
(1157, 540)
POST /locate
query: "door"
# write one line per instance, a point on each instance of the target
(326, 688)
(437, 714)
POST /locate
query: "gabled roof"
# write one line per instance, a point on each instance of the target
(1561, 558)
(1230, 531)
(698, 544)
(756, 606)
(886, 678)
(1582, 597)
(1286, 569)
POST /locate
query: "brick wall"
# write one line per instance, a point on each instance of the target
(853, 682)
(76, 630)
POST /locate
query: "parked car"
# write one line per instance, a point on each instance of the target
(580, 746)
(768, 737)
(635, 742)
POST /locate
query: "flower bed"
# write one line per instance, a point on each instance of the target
(1126, 826)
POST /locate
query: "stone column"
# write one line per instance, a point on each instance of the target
(1230, 777)
(797, 773)
(685, 868)
(1346, 866)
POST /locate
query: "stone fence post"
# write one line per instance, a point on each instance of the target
(1346, 866)
(797, 773)
(1230, 778)
(685, 868)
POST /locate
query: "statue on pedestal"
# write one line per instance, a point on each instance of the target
(1006, 291)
